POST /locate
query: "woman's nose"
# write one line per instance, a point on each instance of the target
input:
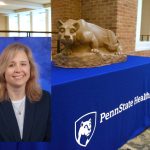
(17, 68)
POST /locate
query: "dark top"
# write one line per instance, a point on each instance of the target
(36, 121)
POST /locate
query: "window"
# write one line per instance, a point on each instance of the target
(13, 24)
(145, 21)
(24, 23)
(49, 19)
(143, 24)
(36, 20)
(39, 21)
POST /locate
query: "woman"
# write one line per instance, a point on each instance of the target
(24, 107)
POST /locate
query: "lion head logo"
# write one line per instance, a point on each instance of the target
(84, 128)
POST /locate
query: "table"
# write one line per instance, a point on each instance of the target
(100, 108)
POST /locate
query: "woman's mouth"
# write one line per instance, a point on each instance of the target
(18, 77)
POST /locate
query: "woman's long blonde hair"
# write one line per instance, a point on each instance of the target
(33, 90)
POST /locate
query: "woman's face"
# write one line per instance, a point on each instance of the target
(18, 70)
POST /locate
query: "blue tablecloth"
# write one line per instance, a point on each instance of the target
(113, 101)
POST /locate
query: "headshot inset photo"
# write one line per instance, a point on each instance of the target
(25, 89)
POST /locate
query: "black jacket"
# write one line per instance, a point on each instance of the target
(36, 121)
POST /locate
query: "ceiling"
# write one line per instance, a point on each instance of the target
(11, 6)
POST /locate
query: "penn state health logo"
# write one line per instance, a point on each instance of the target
(84, 128)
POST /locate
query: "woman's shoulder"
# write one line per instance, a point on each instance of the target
(45, 96)
(44, 104)
(45, 93)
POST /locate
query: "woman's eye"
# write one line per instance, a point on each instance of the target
(23, 64)
(11, 65)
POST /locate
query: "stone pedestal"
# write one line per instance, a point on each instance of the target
(87, 60)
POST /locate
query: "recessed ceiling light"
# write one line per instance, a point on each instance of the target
(2, 3)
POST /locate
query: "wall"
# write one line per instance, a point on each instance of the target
(100, 12)
(116, 15)
(126, 23)
(63, 10)
(3, 24)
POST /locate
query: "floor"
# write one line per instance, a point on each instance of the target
(141, 142)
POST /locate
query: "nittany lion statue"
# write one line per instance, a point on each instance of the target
(75, 32)
(86, 45)
(84, 130)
